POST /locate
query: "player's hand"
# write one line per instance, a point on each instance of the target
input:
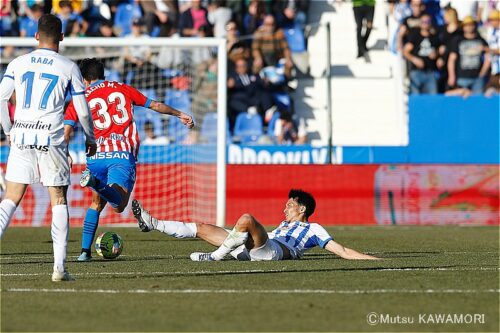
(90, 149)
(187, 120)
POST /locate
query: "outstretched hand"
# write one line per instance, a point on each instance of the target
(187, 120)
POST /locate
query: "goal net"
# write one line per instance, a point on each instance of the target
(180, 172)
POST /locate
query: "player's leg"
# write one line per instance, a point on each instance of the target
(124, 195)
(59, 231)
(96, 176)
(13, 194)
(107, 192)
(175, 229)
(247, 231)
(90, 224)
(22, 169)
(55, 174)
(208, 232)
(121, 178)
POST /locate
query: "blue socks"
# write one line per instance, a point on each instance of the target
(89, 228)
(112, 196)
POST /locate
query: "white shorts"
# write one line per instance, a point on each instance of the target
(269, 251)
(34, 164)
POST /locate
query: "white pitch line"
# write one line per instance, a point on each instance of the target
(252, 291)
(250, 271)
(27, 256)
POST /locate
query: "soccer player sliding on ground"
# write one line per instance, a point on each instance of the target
(111, 172)
(38, 152)
(248, 240)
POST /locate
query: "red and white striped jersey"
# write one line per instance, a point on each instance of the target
(111, 104)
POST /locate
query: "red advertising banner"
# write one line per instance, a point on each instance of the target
(436, 194)
(345, 194)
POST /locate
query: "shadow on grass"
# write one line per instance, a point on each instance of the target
(277, 271)
(22, 254)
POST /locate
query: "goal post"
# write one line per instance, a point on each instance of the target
(201, 160)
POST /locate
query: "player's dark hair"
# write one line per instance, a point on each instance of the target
(305, 199)
(50, 28)
(92, 69)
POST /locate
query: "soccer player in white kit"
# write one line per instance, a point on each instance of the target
(248, 240)
(38, 152)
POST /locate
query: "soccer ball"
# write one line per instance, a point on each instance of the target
(109, 245)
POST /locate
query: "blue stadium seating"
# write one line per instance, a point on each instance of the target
(178, 99)
(111, 75)
(248, 127)
(272, 123)
(177, 132)
(141, 115)
(125, 14)
(149, 93)
(296, 39)
(208, 131)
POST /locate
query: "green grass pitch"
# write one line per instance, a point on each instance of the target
(154, 286)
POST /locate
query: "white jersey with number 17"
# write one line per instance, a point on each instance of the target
(41, 80)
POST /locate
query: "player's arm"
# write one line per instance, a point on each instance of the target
(68, 132)
(70, 120)
(6, 90)
(165, 109)
(82, 110)
(347, 253)
(139, 99)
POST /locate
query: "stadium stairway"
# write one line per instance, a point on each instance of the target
(367, 100)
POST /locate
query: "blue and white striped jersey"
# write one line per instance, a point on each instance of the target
(41, 80)
(299, 237)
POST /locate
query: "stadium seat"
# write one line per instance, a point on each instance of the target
(272, 123)
(296, 39)
(208, 131)
(248, 127)
(125, 14)
(141, 115)
(177, 132)
(178, 99)
(149, 93)
(112, 75)
(129, 77)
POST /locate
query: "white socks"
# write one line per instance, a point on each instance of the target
(232, 241)
(7, 209)
(177, 229)
(60, 233)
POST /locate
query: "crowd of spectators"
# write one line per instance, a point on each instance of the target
(260, 62)
(451, 47)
